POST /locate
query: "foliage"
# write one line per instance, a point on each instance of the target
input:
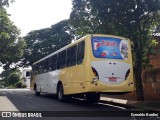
(10, 77)
(11, 45)
(2, 83)
(13, 78)
(134, 19)
(45, 41)
(19, 84)
(5, 2)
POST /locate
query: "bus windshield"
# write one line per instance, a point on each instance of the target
(110, 48)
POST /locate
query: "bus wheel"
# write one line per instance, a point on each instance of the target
(60, 93)
(93, 97)
(36, 92)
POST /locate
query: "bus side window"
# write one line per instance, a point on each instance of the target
(61, 63)
(33, 70)
(41, 68)
(46, 65)
(53, 62)
(80, 52)
(71, 56)
(36, 68)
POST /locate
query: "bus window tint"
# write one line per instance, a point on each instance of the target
(53, 62)
(80, 52)
(34, 69)
(46, 65)
(71, 56)
(37, 68)
(40, 67)
(61, 63)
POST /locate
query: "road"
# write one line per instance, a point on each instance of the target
(25, 100)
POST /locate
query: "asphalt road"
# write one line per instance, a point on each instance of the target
(25, 100)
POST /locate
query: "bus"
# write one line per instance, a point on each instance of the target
(90, 66)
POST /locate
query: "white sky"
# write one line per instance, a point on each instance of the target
(30, 15)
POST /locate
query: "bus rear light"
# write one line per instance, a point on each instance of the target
(95, 73)
(127, 74)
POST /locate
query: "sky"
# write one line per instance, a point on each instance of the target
(30, 15)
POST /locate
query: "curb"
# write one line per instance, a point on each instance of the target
(121, 102)
(128, 103)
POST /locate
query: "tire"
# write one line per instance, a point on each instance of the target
(36, 92)
(60, 93)
(92, 97)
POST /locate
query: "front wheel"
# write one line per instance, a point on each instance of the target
(60, 93)
(93, 97)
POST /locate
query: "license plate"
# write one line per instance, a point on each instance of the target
(112, 79)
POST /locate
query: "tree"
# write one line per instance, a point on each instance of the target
(11, 77)
(5, 3)
(45, 41)
(133, 19)
(11, 45)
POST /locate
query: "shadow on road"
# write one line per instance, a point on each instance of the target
(79, 102)
(27, 101)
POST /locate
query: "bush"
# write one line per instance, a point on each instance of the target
(13, 78)
(2, 83)
(19, 84)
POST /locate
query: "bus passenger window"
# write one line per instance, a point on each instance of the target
(37, 68)
(61, 63)
(71, 56)
(33, 69)
(80, 52)
(53, 62)
(46, 65)
(40, 67)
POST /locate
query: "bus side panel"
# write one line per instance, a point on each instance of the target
(51, 79)
(73, 79)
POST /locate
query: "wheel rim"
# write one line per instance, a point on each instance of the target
(60, 93)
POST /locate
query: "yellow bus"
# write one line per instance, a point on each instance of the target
(91, 65)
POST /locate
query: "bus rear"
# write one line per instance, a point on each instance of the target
(111, 65)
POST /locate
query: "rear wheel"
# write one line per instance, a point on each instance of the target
(92, 97)
(36, 92)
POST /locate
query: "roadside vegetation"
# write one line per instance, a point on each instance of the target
(12, 79)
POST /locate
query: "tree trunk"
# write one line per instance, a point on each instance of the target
(139, 85)
(138, 77)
